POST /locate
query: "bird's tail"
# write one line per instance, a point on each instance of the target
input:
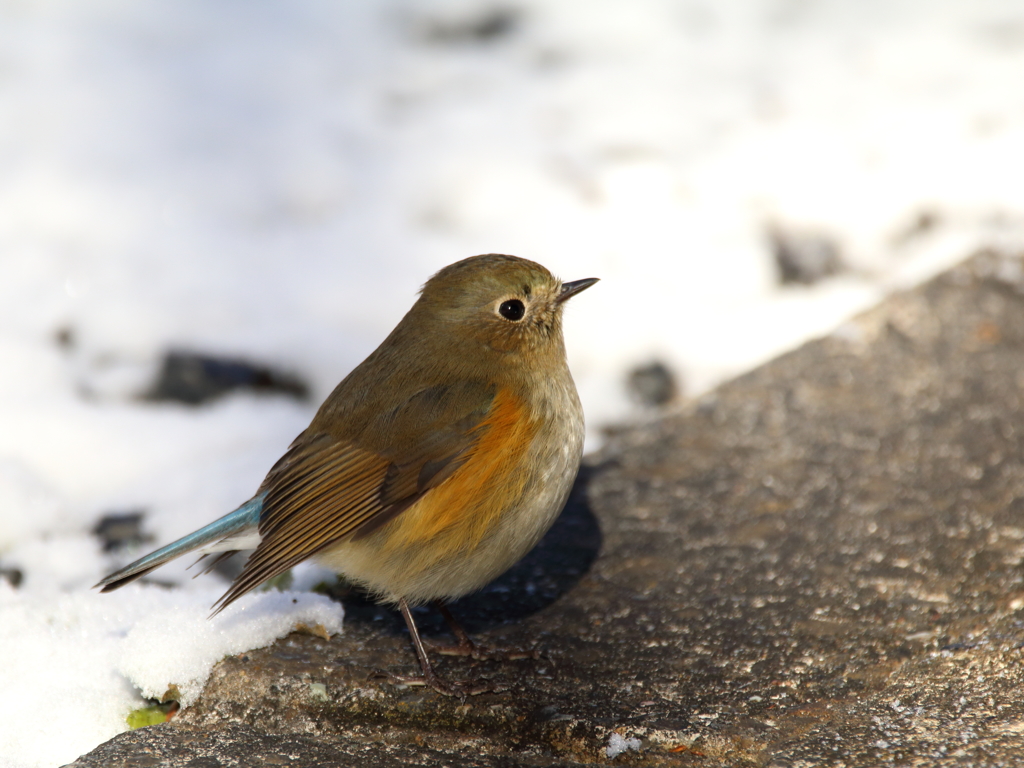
(236, 530)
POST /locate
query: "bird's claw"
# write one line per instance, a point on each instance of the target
(484, 653)
(457, 688)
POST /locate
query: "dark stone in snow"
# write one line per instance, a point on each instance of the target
(653, 385)
(121, 529)
(192, 378)
(804, 258)
(13, 576)
(478, 26)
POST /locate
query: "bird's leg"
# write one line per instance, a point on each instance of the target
(429, 677)
(467, 647)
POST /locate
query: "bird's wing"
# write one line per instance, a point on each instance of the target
(328, 488)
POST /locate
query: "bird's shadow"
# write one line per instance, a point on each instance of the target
(546, 573)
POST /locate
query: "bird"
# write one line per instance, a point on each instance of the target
(434, 466)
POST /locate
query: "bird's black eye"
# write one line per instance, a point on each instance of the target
(513, 309)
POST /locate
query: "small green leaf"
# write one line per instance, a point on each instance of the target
(154, 715)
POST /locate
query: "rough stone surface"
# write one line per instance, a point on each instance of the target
(819, 563)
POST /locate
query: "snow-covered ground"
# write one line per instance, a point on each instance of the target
(275, 180)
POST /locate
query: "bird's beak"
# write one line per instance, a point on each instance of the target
(571, 289)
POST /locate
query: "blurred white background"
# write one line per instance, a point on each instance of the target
(276, 180)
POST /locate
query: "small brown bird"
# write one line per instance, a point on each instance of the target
(436, 464)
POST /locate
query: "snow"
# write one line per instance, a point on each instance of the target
(83, 658)
(618, 744)
(275, 181)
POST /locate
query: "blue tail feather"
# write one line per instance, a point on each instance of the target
(236, 530)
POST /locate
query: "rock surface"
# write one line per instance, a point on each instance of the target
(818, 563)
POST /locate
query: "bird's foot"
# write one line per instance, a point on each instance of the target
(458, 688)
(466, 647)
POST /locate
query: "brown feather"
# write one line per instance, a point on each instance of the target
(326, 489)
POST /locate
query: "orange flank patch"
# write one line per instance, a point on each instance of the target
(469, 503)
